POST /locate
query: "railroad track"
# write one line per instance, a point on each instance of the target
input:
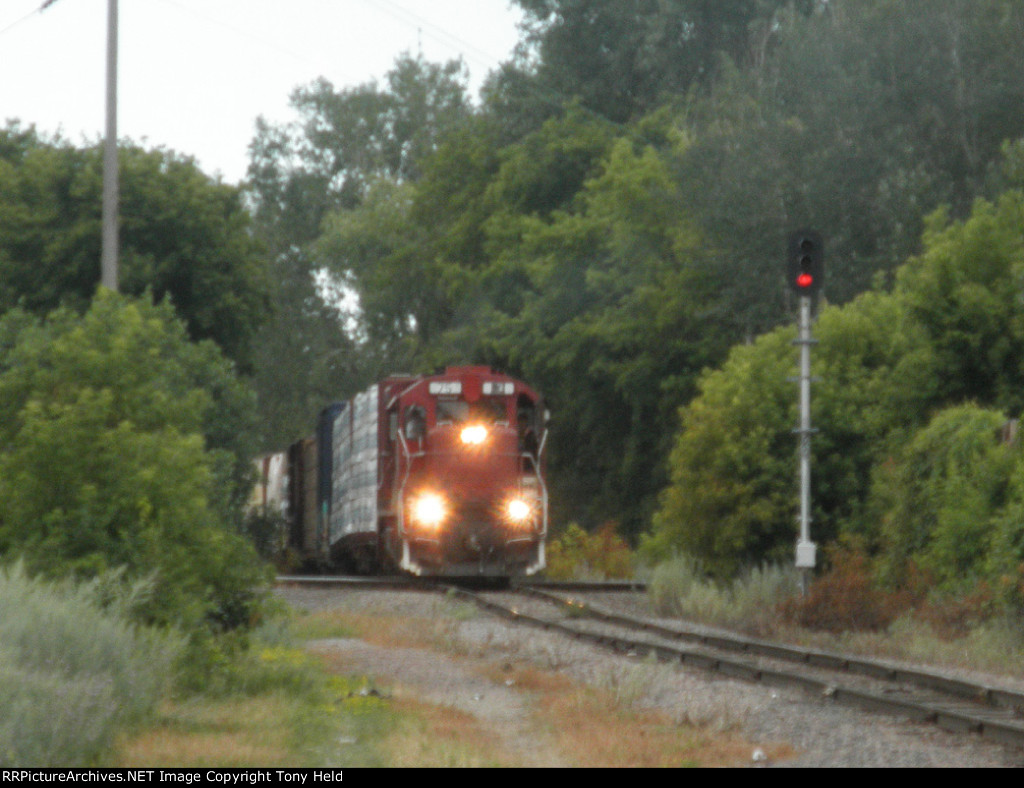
(917, 695)
(399, 582)
(921, 696)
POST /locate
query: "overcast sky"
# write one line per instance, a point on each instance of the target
(195, 74)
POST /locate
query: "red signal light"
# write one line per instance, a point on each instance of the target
(805, 263)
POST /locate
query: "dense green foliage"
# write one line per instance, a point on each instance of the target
(607, 222)
(611, 219)
(917, 389)
(126, 436)
(183, 236)
(939, 495)
(624, 60)
(344, 143)
(121, 445)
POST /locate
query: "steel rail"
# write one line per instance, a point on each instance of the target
(407, 581)
(959, 688)
(997, 724)
(379, 583)
(581, 586)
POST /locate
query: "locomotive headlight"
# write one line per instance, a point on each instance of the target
(429, 510)
(518, 511)
(473, 435)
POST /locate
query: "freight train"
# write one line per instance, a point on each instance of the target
(434, 476)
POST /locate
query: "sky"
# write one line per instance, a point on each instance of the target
(193, 75)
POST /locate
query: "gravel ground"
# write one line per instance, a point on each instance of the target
(822, 735)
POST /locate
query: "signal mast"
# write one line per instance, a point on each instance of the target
(806, 274)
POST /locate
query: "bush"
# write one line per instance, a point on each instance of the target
(108, 458)
(845, 598)
(72, 672)
(939, 499)
(602, 555)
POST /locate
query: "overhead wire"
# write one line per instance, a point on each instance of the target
(410, 18)
(439, 34)
(242, 33)
(393, 9)
(46, 4)
(544, 94)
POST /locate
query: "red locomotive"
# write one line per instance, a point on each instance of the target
(436, 476)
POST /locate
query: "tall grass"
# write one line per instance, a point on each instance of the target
(843, 610)
(73, 671)
(680, 587)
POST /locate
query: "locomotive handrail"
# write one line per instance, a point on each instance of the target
(401, 489)
(543, 486)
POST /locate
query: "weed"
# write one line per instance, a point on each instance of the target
(72, 673)
(844, 598)
(680, 588)
(629, 684)
(845, 609)
(600, 555)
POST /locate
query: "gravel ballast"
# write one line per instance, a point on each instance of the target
(820, 733)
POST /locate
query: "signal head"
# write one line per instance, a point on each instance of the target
(806, 262)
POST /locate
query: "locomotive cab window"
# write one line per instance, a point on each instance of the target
(493, 411)
(452, 411)
(487, 411)
(526, 425)
(415, 423)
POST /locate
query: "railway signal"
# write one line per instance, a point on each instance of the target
(806, 262)
(805, 266)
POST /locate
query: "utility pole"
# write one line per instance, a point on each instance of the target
(108, 255)
(108, 263)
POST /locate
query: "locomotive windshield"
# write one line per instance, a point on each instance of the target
(457, 411)
(452, 411)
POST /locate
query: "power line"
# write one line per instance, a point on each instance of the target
(439, 34)
(46, 4)
(242, 33)
(410, 18)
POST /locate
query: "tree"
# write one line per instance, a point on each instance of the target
(732, 498)
(346, 140)
(860, 120)
(938, 498)
(339, 160)
(613, 325)
(730, 501)
(913, 386)
(183, 236)
(963, 290)
(110, 457)
(623, 60)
